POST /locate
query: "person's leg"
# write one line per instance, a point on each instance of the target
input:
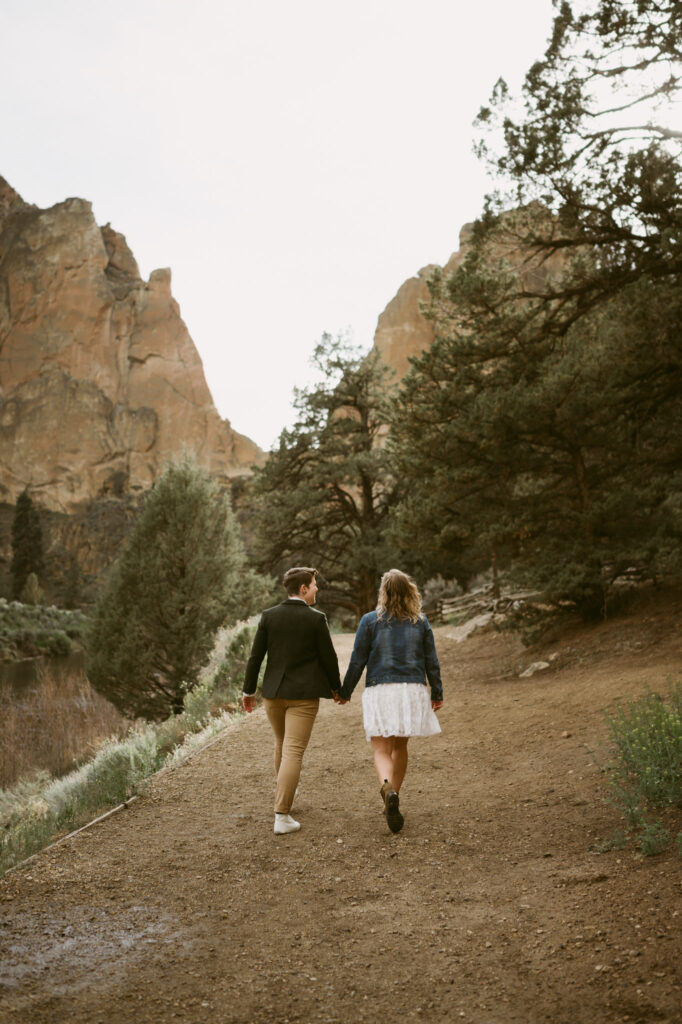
(391, 771)
(399, 761)
(298, 725)
(275, 709)
(382, 748)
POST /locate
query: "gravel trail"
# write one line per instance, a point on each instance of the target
(492, 906)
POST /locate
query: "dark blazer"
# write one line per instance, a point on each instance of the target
(302, 662)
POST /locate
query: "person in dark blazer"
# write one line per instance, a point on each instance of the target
(301, 669)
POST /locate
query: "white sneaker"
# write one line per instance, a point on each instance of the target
(285, 823)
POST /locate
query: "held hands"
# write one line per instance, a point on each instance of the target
(337, 698)
(248, 702)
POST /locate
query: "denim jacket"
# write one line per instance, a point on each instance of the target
(394, 651)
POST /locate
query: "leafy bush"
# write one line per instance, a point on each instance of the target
(224, 686)
(646, 771)
(31, 592)
(438, 589)
(52, 641)
(654, 839)
(27, 630)
(616, 842)
(647, 735)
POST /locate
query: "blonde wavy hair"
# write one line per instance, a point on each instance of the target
(399, 597)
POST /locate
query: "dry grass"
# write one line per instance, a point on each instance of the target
(54, 725)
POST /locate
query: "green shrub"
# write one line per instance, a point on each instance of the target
(31, 592)
(230, 675)
(647, 735)
(646, 770)
(24, 836)
(52, 642)
(224, 686)
(28, 630)
(654, 839)
(198, 705)
(170, 734)
(616, 842)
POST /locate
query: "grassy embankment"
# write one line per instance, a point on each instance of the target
(39, 808)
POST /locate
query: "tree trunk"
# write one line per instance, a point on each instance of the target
(581, 480)
(367, 593)
(496, 575)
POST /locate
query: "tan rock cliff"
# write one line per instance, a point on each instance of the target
(100, 381)
(403, 332)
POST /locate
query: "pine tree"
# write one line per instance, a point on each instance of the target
(587, 140)
(325, 495)
(73, 582)
(27, 544)
(31, 593)
(542, 426)
(180, 576)
(559, 461)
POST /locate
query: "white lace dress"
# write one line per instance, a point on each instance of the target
(398, 709)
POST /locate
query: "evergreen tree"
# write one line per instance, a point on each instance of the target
(73, 582)
(180, 576)
(325, 495)
(590, 145)
(559, 460)
(542, 425)
(31, 593)
(27, 544)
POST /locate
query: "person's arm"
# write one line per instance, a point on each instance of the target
(432, 665)
(358, 659)
(327, 654)
(258, 651)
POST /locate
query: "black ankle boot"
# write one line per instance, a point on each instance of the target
(393, 816)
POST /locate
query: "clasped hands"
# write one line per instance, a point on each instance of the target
(249, 700)
(435, 704)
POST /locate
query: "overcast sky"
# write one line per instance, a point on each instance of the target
(292, 161)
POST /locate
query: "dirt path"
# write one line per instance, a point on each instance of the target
(489, 907)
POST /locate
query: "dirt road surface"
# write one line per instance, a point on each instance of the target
(492, 906)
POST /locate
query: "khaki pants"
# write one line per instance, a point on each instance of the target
(292, 723)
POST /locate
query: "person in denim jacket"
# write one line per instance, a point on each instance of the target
(395, 644)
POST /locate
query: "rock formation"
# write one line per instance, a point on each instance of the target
(403, 332)
(100, 381)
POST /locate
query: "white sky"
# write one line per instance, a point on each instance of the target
(292, 161)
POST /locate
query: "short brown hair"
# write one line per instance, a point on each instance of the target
(294, 579)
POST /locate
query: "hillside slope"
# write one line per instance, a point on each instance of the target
(491, 906)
